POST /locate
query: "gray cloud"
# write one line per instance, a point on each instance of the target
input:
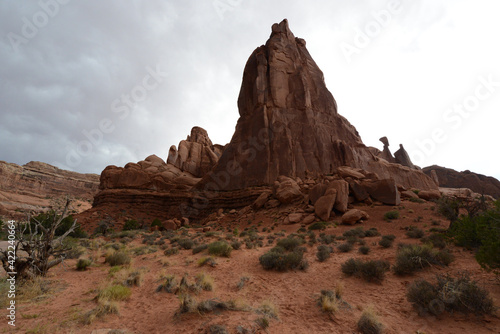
(64, 81)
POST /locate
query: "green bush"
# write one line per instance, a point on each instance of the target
(318, 226)
(48, 218)
(131, 224)
(416, 200)
(289, 244)
(200, 248)
(118, 259)
(414, 232)
(171, 251)
(278, 259)
(482, 233)
(450, 294)
(345, 247)
(220, 248)
(385, 242)
(449, 208)
(369, 323)
(324, 252)
(411, 258)
(364, 250)
(371, 270)
(83, 264)
(185, 243)
(436, 240)
(156, 222)
(390, 215)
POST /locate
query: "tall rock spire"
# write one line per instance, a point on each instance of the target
(289, 124)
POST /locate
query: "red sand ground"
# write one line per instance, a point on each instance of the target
(294, 293)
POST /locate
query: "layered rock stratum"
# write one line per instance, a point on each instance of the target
(450, 178)
(37, 186)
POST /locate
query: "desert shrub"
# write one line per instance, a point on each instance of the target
(345, 247)
(114, 293)
(411, 258)
(236, 245)
(217, 329)
(171, 251)
(207, 261)
(156, 222)
(372, 232)
(371, 270)
(134, 278)
(436, 240)
(390, 215)
(220, 248)
(262, 322)
(450, 294)
(364, 250)
(205, 281)
(318, 226)
(131, 224)
(329, 301)
(200, 248)
(355, 232)
(185, 243)
(327, 239)
(242, 282)
(385, 242)
(102, 309)
(369, 322)
(118, 258)
(481, 233)
(323, 253)
(414, 232)
(169, 285)
(289, 244)
(83, 264)
(416, 200)
(449, 208)
(278, 259)
(268, 309)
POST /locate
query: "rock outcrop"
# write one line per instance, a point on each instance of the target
(289, 125)
(195, 155)
(36, 186)
(449, 178)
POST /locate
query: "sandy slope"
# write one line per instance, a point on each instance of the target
(294, 293)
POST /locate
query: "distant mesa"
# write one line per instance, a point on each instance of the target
(37, 187)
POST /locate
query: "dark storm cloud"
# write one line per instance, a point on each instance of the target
(132, 77)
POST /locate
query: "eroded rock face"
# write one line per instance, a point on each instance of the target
(289, 125)
(478, 183)
(33, 186)
(195, 155)
(403, 158)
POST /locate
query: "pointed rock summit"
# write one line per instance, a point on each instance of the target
(289, 125)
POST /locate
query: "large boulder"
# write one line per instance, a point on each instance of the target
(385, 191)
(429, 194)
(342, 190)
(316, 192)
(357, 190)
(287, 190)
(324, 205)
(353, 216)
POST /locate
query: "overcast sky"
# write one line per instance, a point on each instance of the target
(86, 84)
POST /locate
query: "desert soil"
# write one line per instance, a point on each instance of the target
(294, 293)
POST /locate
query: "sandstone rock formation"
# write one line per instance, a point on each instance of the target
(195, 155)
(386, 152)
(403, 158)
(289, 125)
(478, 183)
(35, 186)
